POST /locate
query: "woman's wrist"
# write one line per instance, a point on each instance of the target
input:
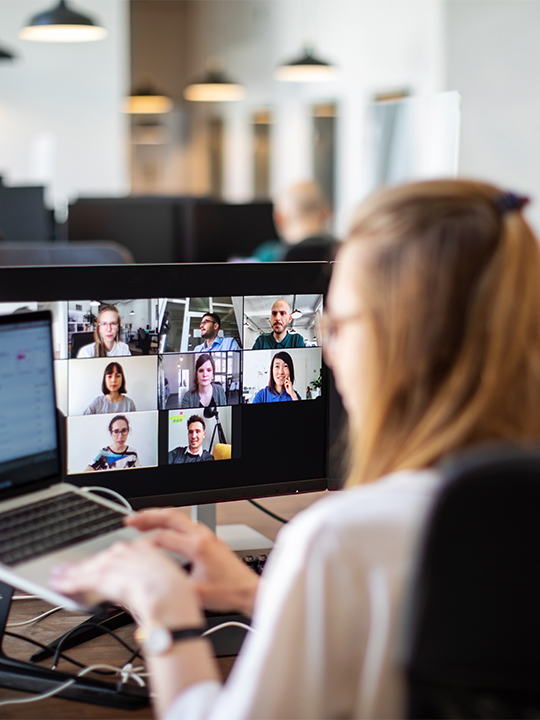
(173, 605)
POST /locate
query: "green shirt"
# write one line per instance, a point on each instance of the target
(268, 342)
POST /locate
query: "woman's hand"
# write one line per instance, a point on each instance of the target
(138, 576)
(289, 389)
(221, 580)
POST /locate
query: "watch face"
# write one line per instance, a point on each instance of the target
(155, 640)
(159, 640)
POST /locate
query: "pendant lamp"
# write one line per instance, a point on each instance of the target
(61, 24)
(6, 54)
(214, 86)
(306, 68)
(147, 101)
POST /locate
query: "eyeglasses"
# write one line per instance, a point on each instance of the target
(330, 326)
(106, 324)
(205, 322)
(123, 431)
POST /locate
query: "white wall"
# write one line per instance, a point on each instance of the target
(60, 119)
(493, 59)
(379, 45)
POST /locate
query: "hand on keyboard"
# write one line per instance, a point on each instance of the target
(222, 581)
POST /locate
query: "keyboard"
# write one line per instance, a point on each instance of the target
(29, 532)
(256, 563)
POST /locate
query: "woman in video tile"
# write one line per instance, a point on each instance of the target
(205, 391)
(280, 385)
(114, 398)
(117, 455)
(106, 336)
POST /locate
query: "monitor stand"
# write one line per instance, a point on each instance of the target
(238, 537)
(19, 675)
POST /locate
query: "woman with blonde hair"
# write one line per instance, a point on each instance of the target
(433, 333)
(107, 341)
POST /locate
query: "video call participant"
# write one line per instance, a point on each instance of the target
(205, 391)
(210, 325)
(280, 337)
(117, 455)
(114, 398)
(106, 335)
(280, 384)
(194, 452)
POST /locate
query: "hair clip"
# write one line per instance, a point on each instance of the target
(509, 201)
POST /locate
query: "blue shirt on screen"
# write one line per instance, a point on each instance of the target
(220, 344)
(266, 395)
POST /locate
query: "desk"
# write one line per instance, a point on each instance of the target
(104, 649)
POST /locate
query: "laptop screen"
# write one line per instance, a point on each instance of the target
(28, 431)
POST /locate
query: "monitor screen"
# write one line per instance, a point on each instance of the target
(183, 384)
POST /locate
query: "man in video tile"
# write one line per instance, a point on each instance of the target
(194, 452)
(210, 325)
(280, 337)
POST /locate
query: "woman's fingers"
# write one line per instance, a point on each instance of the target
(137, 575)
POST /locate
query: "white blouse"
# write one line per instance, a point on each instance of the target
(327, 612)
(119, 349)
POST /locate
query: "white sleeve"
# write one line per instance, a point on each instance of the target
(194, 703)
(305, 660)
(86, 351)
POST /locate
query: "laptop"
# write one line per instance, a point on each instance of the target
(44, 521)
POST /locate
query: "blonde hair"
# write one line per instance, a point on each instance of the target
(100, 349)
(451, 290)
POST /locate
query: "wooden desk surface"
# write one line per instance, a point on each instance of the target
(104, 649)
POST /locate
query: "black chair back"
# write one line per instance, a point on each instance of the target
(473, 628)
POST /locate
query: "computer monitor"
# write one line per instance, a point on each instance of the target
(163, 419)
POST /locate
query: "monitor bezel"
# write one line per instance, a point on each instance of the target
(65, 283)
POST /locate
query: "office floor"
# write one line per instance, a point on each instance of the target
(105, 649)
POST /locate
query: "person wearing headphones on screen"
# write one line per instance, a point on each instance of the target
(106, 335)
(433, 334)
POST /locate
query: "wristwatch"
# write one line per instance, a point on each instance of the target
(156, 639)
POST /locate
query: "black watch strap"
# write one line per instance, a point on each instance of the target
(187, 633)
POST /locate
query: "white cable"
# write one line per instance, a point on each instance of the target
(25, 597)
(36, 698)
(231, 623)
(125, 672)
(37, 618)
(97, 489)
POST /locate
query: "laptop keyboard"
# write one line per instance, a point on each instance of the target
(28, 532)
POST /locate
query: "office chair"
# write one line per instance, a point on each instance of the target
(472, 646)
(79, 340)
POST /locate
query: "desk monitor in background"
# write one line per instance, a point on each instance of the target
(129, 413)
(23, 215)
